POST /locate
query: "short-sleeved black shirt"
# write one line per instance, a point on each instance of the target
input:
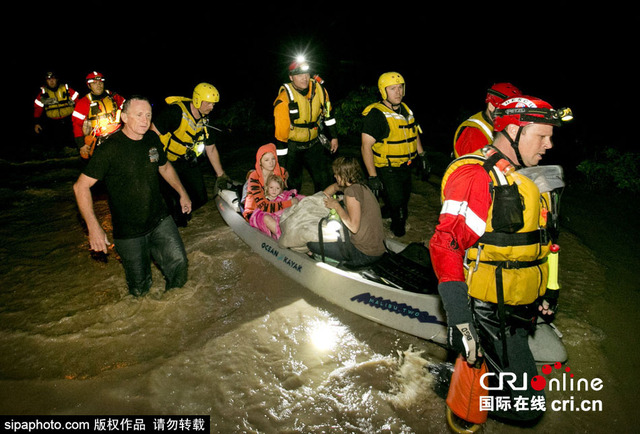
(129, 169)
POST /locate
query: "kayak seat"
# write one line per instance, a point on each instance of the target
(409, 269)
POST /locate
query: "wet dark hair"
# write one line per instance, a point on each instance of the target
(348, 168)
(128, 101)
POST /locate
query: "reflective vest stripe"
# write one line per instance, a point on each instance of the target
(483, 126)
(471, 219)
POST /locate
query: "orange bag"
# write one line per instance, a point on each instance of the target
(465, 391)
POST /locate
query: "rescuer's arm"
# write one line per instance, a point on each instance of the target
(367, 154)
(281, 118)
(82, 189)
(214, 159)
(169, 174)
(462, 221)
(330, 123)
(419, 145)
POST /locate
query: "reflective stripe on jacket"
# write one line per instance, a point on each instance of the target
(58, 103)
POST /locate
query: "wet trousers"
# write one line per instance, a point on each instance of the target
(191, 178)
(312, 156)
(511, 354)
(165, 246)
(396, 182)
(343, 251)
(56, 134)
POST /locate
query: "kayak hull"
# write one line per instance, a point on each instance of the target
(417, 314)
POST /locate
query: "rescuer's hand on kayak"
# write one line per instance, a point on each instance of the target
(223, 181)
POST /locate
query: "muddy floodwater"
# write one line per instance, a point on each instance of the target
(258, 352)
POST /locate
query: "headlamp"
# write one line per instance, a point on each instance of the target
(564, 114)
(538, 115)
(299, 66)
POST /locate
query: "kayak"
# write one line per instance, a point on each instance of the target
(400, 291)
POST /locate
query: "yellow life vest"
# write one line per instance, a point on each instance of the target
(57, 104)
(190, 136)
(401, 145)
(509, 261)
(306, 110)
(104, 115)
(476, 121)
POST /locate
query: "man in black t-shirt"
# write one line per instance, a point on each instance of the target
(129, 163)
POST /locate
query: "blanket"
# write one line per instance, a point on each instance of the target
(299, 223)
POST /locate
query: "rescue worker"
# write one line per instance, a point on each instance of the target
(477, 131)
(305, 128)
(390, 145)
(183, 127)
(491, 246)
(96, 115)
(52, 109)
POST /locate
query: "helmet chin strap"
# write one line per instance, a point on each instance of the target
(515, 145)
(392, 106)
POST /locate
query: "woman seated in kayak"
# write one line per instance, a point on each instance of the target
(364, 243)
(259, 210)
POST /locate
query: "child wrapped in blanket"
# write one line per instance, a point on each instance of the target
(269, 223)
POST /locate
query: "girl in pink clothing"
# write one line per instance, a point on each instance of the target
(274, 192)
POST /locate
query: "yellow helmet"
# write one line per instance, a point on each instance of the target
(205, 92)
(389, 79)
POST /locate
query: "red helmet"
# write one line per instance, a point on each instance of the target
(500, 92)
(94, 76)
(524, 110)
(299, 67)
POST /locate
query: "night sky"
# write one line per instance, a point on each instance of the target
(448, 58)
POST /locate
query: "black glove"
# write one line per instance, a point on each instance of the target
(375, 184)
(461, 333)
(548, 304)
(424, 166)
(223, 181)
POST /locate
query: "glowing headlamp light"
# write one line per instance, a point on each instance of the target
(299, 66)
